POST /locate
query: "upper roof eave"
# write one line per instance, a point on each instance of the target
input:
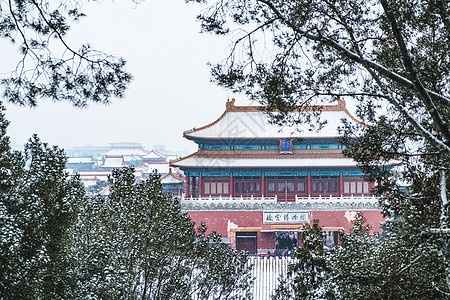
(230, 107)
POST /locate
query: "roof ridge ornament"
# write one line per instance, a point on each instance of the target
(230, 104)
(341, 103)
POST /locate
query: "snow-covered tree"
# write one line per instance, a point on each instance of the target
(38, 208)
(58, 243)
(392, 59)
(397, 264)
(137, 243)
(307, 278)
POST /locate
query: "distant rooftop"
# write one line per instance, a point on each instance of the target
(125, 145)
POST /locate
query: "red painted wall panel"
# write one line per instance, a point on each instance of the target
(220, 220)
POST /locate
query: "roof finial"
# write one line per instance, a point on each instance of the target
(230, 104)
(341, 103)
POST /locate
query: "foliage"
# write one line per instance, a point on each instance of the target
(381, 52)
(49, 67)
(389, 56)
(58, 243)
(307, 276)
(392, 59)
(38, 208)
(393, 265)
(143, 246)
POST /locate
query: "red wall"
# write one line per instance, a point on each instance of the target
(219, 220)
(344, 219)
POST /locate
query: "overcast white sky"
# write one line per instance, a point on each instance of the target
(171, 91)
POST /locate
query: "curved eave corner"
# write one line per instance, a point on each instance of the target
(229, 107)
(175, 163)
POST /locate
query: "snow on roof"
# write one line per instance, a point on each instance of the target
(252, 122)
(172, 157)
(170, 178)
(78, 160)
(154, 154)
(131, 157)
(113, 162)
(119, 150)
(149, 167)
(285, 161)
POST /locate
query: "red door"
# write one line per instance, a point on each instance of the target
(246, 241)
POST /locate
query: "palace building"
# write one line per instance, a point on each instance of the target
(258, 184)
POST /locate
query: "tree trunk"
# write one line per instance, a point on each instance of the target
(443, 220)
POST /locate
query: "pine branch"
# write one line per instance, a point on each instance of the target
(371, 66)
(407, 62)
(354, 56)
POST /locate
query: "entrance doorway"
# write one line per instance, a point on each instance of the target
(285, 243)
(246, 241)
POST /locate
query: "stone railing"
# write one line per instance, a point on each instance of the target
(264, 203)
(350, 199)
(230, 199)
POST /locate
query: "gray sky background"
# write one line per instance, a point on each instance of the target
(171, 91)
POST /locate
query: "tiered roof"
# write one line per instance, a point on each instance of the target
(250, 123)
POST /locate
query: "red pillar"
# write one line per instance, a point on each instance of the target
(186, 187)
(309, 185)
(200, 186)
(341, 185)
(231, 186)
(263, 184)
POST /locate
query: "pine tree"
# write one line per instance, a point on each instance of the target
(38, 208)
(390, 58)
(307, 278)
(136, 243)
(39, 30)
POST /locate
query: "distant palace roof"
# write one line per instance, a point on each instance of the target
(113, 161)
(171, 178)
(250, 122)
(155, 154)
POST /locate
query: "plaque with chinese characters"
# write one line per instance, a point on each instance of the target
(285, 217)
